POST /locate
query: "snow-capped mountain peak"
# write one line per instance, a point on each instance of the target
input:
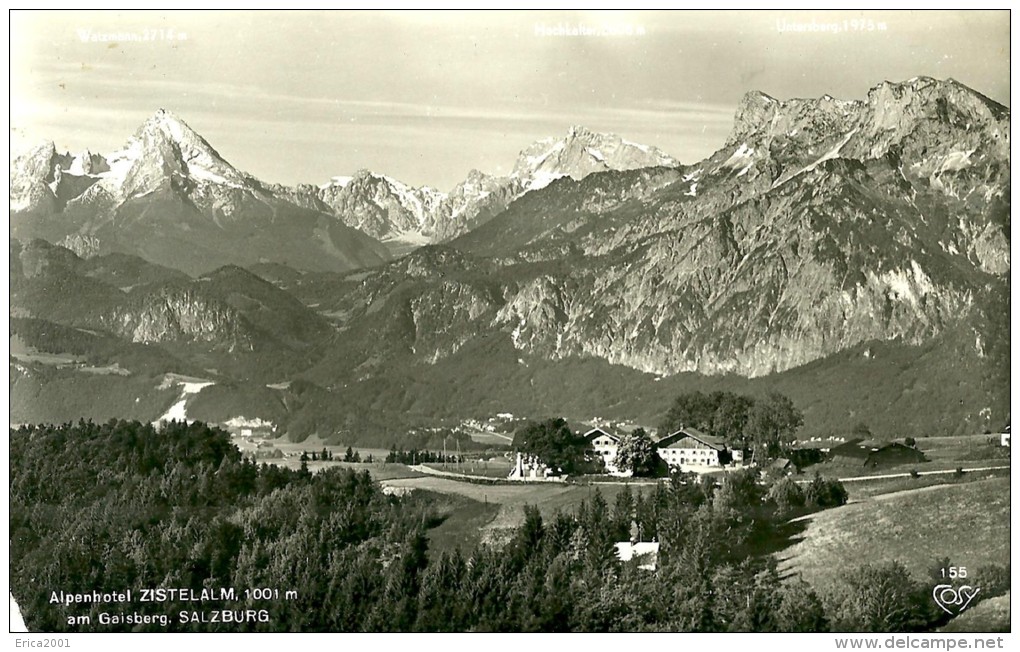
(166, 158)
(583, 152)
(165, 145)
(382, 206)
(389, 209)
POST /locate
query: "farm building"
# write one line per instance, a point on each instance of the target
(646, 552)
(781, 466)
(691, 450)
(248, 428)
(1004, 437)
(872, 453)
(605, 445)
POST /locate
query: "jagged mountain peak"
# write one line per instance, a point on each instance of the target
(364, 173)
(32, 174)
(405, 216)
(33, 160)
(475, 176)
(164, 146)
(366, 176)
(579, 131)
(760, 116)
(166, 118)
(165, 125)
(580, 153)
(169, 196)
(382, 206)
(929, 96)
(890, 111)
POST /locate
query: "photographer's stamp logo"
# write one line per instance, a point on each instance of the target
(951, 598)
(954, 599)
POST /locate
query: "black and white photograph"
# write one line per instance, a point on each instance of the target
(517, 321)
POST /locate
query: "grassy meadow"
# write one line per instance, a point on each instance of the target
(966, 522)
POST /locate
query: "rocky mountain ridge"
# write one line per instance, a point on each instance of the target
(166, 157)
(792, 243)
(169, 197)
(395, 212)
(871, 235)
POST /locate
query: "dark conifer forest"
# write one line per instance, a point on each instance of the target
(115, 506)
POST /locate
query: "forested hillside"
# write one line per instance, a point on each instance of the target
(106, 508)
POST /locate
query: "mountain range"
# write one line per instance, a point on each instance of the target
(853, 254)
(168, 183)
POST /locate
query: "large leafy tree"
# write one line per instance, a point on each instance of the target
(722, 414)
(636, 453)
(773, 421)
(731, 415)
(689, 410)
(553, 442)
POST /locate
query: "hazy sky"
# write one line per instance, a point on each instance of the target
(425, 97)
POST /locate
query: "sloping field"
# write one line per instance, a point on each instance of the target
(862, 490)
(969, 523)
(548, 497)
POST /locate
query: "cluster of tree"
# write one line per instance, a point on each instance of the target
(180, 508)
(637, 453)
(415, 456)
(792, 500)
(134, 507)
(553, 442)
(767, 424)
(325, 455)
(561, 573)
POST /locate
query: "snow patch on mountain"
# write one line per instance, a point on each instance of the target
(580, 153)
(542, 178)
(206, 174)
(245, 422)
(189, 386)
(120, 163)
(741, 158)
(414, 238)
(829, 155)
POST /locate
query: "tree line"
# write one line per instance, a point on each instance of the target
(766, 425)
(415, 456)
